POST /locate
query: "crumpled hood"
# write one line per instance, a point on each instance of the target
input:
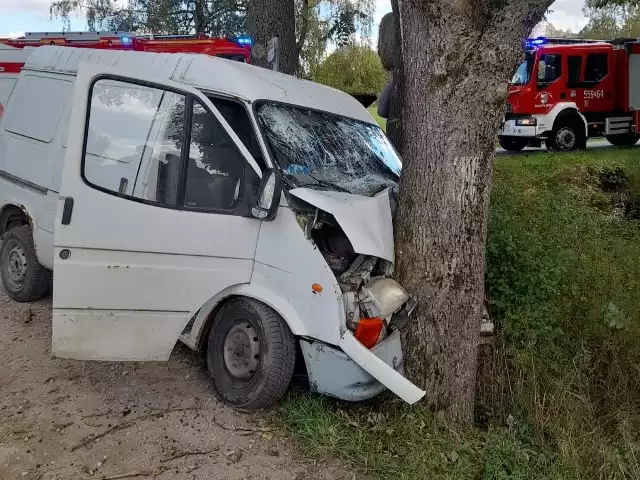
(366, 221)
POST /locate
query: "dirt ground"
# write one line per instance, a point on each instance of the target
(62, 419)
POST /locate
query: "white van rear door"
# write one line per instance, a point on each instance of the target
(153, 216)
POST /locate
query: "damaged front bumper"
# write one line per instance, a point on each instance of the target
(355, 373)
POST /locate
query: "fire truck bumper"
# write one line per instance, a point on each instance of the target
(510, 129)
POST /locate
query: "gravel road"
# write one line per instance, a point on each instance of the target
(62, 419)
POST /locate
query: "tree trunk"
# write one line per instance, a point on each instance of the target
(270, 18)
(200, 22)
(394, 122)
(458, 56)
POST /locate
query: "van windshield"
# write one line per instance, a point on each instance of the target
(325, 151)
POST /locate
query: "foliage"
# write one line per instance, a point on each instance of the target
(611, 20)
(559, 395)
(318, 21)
(352, 69)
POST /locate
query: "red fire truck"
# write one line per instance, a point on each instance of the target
(567, 90)
(238, 48)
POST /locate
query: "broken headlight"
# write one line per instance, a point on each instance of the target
(383, 297)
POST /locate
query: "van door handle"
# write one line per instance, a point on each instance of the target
(66, 211)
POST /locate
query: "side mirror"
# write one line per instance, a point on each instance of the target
(542, 71)
(268, 196)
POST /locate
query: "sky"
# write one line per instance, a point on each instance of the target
(19, 16)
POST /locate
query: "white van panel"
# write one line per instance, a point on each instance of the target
(35, 123)
(6, 86)
(35, 108)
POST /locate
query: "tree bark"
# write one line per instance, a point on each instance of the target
(200, 22)
(458, 56)
(270, 18)
(394, 122)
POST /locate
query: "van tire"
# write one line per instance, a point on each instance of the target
(251, 354)
(24, 279)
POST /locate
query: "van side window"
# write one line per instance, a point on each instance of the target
(574, 64)
(238, 119)
(215, 167)
(597, 67)
(162, 147)
(135, 140)
(36, 106)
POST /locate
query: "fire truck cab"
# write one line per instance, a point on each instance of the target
(566, 91)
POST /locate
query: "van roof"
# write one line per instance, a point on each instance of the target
(233, 78)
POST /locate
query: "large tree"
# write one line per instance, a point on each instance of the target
(457, 57)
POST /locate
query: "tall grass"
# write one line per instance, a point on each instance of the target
(559, 395)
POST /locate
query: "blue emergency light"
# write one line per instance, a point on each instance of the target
(243, 40)
(535, 42)
(125, 40)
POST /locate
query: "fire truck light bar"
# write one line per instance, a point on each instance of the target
(242, 40)
(536, 42)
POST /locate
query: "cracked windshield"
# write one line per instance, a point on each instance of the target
(325, 151)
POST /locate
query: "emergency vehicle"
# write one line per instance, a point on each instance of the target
(567, 90)
(237, 48)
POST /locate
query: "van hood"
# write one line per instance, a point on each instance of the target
(366, 221)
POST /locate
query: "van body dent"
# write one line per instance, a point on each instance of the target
(182, 197)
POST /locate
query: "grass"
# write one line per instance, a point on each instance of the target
(559, 396)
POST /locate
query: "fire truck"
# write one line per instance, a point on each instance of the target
(238, 48)
(567, 90)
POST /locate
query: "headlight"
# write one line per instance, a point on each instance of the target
(526, 122)
(384, 296)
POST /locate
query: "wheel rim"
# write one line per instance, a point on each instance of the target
(565, 138)
(16, 264)
(242, 351)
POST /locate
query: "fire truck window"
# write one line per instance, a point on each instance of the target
(215, 167)
(134, 141)
(238, 118)
(574, 64)
(550, 60)
(597, 67)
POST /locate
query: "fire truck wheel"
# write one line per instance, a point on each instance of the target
(24, 279)
(566, 136)
(251, 354)
(512, 144)
(623, 140)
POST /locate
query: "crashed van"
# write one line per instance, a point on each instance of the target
(187, 198)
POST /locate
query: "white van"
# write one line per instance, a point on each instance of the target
(182, 197)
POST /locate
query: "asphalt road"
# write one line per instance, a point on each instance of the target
(596, 144)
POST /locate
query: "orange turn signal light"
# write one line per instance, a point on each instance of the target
(316, 287)
(368, 331)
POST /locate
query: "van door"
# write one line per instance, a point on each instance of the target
(153, 217)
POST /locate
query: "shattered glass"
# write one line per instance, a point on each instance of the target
(325, 151)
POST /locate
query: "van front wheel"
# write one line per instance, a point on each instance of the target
(251, 354)
(24, 279)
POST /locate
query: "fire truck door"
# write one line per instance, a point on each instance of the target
(593, 91)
